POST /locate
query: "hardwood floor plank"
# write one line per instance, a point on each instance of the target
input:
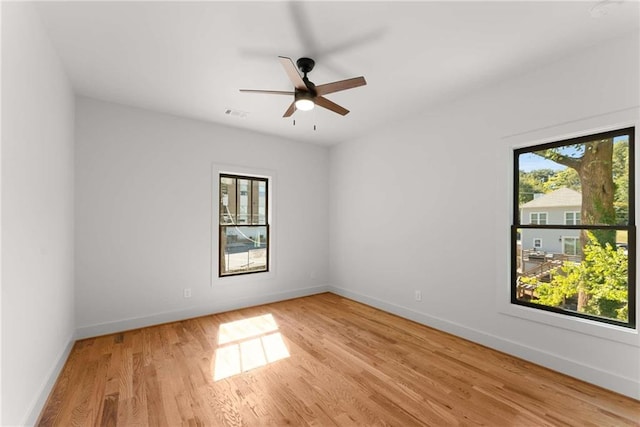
(319, 361)
(155, 409)
(109, 416)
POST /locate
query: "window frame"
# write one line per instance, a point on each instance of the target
(518, 225)
(252, 178)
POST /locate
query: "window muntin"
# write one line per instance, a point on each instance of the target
(586, 266)
(243, 225)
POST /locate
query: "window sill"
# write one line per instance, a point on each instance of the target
(594, 328)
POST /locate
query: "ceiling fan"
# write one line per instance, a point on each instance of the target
(306, 94)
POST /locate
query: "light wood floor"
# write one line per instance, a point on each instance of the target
(321, 360)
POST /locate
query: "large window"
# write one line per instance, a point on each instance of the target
(578, 258)
(243, 225)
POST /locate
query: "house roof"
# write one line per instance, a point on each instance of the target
(557, 198)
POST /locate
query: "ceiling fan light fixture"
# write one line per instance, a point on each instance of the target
(304, 101)
(305, 104)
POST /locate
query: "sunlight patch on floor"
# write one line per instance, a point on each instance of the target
(247, 344)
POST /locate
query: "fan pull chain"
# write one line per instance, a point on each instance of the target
(314, 126)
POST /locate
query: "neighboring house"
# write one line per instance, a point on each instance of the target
(561, 207)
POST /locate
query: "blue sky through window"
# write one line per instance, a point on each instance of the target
(528, 162)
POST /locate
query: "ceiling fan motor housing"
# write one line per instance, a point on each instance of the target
(305, 65)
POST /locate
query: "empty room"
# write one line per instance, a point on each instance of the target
(319, 213)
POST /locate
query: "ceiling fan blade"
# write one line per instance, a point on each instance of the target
(330, 105)
(292, 72)
(271, 92)
(340, 85)
(290, 110)
(303, 25)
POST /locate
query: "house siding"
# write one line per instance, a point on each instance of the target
(551, 239)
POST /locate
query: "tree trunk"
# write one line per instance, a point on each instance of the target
(596, 182)
(598, 190)
(583, 298)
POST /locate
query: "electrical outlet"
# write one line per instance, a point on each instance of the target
(187, 292)
(418, 295)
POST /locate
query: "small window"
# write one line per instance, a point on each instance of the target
(577, 196)
(572, 218)
(243, 225)
(538, 218)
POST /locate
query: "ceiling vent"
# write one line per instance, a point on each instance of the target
(236, 113)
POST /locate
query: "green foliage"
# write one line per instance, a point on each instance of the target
(620, 166)
(565, 178)
(533, 183)
(557, 293)
(602, 276)
(620, 170)
(606, 279)
(541, 175)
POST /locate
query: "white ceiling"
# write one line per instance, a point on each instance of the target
(190, 58)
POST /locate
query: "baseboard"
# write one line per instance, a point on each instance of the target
(47, 386)
(191, 312)
(590, 374)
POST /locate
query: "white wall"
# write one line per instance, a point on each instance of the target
(37, 215)
(144, 204)
(425, 205)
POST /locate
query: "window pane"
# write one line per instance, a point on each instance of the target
(227, 200)
(538, 218)
(589, 177)
(244, 201)
(259, 203)
(542, 218)
(243, 249)
(572, 218)
(574, 270)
